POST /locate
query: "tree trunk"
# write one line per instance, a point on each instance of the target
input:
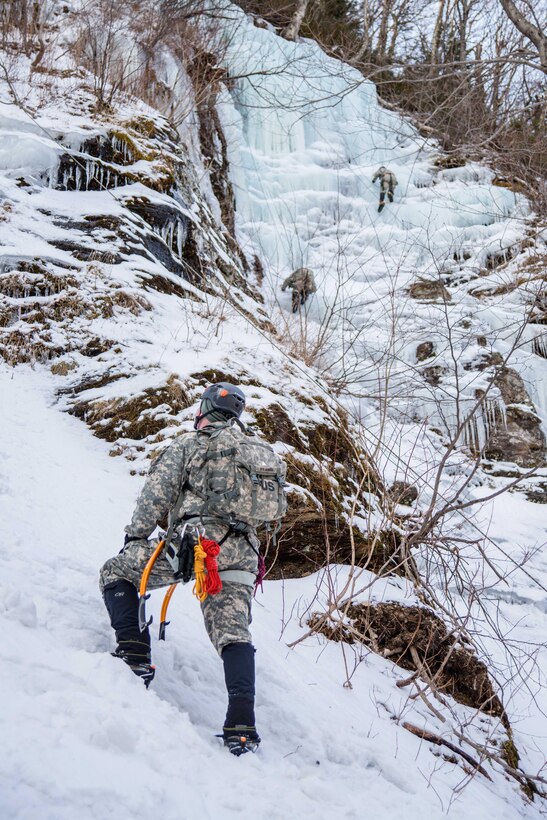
(436, 39)
(497, 72)
(291, 31)
(382, 34)
(537, 37)
(464, 18)
(365, 47)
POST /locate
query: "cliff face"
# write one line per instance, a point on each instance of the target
(125, 279)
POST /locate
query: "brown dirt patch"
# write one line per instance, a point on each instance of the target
(429, 291)
(329, 467)
(416, 639)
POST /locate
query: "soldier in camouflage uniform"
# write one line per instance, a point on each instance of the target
(388, 182)
(302, 283)
(227, 615)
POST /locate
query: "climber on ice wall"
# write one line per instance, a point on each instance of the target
(302, 284)
(388, 183)
(213, 487)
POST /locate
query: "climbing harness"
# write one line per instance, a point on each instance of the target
(237, 576)
(190, 555)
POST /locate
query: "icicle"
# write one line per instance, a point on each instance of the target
(539, 345)
(503, 415)
(179, 238)
(465, 436)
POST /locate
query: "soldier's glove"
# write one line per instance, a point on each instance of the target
(283, 288)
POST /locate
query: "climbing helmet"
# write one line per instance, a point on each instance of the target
(220, 402)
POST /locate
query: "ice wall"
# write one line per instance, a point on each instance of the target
(308, 134)
(305, 135)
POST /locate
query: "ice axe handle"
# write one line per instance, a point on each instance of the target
(143, 623)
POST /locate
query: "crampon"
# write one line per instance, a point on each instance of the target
(143, 669)
(239, 743)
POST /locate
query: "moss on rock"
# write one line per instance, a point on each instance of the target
(328, 475)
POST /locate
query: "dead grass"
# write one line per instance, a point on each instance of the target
(328, 466)
(62, 368)
(17, 347)
(417, 640)
(429, 291)
(134, 418)
(134, 303)
(22, 283)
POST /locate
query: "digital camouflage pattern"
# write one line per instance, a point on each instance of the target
(388, 180)
(240, 477)
(301, 280)
(227, 615)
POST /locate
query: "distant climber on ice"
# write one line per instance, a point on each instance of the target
(212, 488)
(388, 183)
(302, 283)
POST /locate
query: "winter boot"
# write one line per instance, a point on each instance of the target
(122, 603)
(390, 195)
(137, 656)
(381, 207)
(239, 730)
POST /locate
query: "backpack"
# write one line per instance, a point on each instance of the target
(236, 478)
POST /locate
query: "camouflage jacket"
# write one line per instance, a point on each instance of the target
(386, 177)
(161, 492)
(301, 279)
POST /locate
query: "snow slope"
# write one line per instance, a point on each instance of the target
(83, 738)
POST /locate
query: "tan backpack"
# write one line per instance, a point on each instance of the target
(236, 477)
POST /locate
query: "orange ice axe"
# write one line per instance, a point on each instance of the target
(143, 595)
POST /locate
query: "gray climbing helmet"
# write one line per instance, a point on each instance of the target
(221, 402)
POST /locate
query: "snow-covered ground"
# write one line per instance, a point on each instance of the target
(83, 738)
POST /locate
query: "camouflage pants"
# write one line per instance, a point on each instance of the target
(386, 188)
(299, 297)
(227, 615)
